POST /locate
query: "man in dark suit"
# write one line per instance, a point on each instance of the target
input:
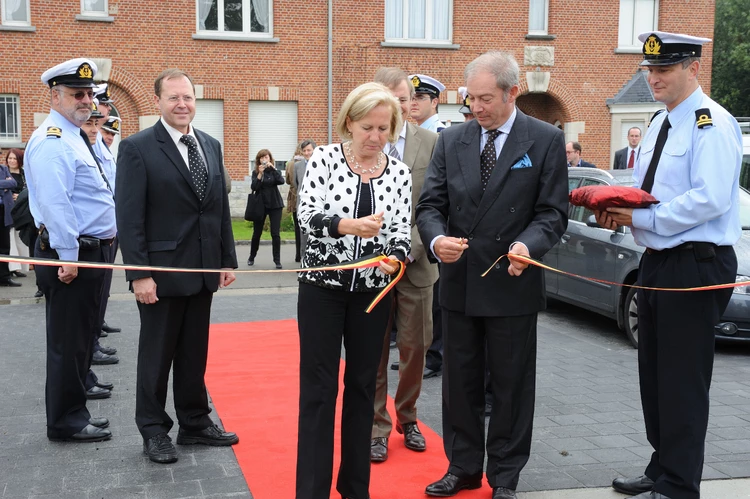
(573, 153)
(625, 157)
(495, 185)
(172, 210)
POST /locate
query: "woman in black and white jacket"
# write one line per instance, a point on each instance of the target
(354, 201)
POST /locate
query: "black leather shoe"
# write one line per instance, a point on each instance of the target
(487, 410)
(110, 329)
(379, 449)
(278, 266)
(413, 438)
(503, 493)
(102, 359)
(394, 366)
(105, 385)
(107, 350)
(450, 485)
(96, 392)
(10, 283)
(90, 433)
(431, 373)
(633, 486)
(99, 422)
(103, 334)
(159, 449)
(251, 262)
(39, 293)
(18, 273)
(213, 435)
(392, 344)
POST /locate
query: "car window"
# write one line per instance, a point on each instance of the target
(573, 183)
(580, 213)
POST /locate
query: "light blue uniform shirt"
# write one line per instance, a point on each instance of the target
(433, 124)
(106, 159)
(697, 181)
(66, 191)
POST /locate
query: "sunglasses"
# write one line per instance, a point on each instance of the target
(81, 94)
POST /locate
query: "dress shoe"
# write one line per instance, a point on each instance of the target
(650, 495)
(297, 259)
(431, 373)
(392, 344)
(18, 273)
(487, 410)
(413, 438)
(503, 493)
(104, 384)
(450, 485)
(159, 449)
(278, 266)
(213, 435)
(99, 422)
(10, 283)
(633, 486)
(103, 334)
(250, 262)
(102, 359)
(107, 350)
(379, 449)
(110, 329)
(394, 366)
(39, 293)
(90, 433)
(96, 392)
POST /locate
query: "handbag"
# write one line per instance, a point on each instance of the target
(255, 211)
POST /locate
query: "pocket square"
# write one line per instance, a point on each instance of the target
(524, 162)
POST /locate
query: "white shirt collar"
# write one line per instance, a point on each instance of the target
(505, 127)
(176, 134)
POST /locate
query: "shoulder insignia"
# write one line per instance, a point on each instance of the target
(657, 113)
(703, 117)
(53, 131)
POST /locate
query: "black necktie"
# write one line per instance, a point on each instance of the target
(661, 139)
(197, 167)
(488, 157)
(98, 165)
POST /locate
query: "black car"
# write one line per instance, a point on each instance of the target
(586, 249)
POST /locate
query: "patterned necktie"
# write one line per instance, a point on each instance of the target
(488, 157)
(661, 139)
(197, 167)
(393, 152)
(632, 159)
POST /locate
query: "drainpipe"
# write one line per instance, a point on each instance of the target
(330, 71)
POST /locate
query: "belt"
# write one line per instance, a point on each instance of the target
(103, 242)
(682, 247)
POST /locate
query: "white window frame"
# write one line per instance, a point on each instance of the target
(7, 22)
(95, 13)
(15, 140)
(544, 31)
(246, 22)
(634, 46)
(428, 26)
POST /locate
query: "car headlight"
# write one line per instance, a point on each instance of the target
(745, 290)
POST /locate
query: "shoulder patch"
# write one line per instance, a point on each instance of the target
(657, 113)
(703, 117)
(53, 131)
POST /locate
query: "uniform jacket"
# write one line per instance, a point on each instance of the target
(526, 200)
(160, 219)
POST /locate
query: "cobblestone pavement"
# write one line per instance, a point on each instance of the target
(588, 423)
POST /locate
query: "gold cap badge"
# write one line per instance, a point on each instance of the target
(415, 81)
(85, 71)
(652, 45)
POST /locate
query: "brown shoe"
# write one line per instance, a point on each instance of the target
(379, 449)
(413, 438)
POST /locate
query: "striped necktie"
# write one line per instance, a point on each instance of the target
(393, 152)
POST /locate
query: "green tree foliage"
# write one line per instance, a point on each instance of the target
(730, 80)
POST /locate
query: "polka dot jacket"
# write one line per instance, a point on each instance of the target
(330, 192)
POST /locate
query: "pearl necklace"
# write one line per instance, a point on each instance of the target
(357, 166)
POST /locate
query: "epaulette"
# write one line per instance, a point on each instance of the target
(657, 113)
(53, 131)
(703, 117)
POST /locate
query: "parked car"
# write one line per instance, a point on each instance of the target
(587, 249)
(745, 171)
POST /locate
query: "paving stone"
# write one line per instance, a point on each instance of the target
(565, 458)
(226, 485)
(178, 490)
(613, 455)
(612, 441)
(204, 471)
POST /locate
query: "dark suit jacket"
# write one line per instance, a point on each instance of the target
(6, 192)
(528, 205)
(585, 164)
(160, 220)
(621, 158)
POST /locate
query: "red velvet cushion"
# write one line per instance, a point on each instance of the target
(601, 197)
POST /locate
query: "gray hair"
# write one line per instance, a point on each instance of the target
(502, 65)
(392, 77)
(687, 62)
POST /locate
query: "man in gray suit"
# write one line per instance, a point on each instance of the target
(413, 294)
(307, 147)
(495, 185)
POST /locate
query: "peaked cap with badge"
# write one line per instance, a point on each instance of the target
(101, 92)
(424, 84)
(75, 73)
(465, 104)
(113, 124)
(95, 113)
(664, 49)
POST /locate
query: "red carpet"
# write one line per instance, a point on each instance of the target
(253, 380)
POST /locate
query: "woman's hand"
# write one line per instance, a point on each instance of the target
(390, 266)
(369, 226)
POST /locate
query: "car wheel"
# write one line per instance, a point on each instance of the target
(630, 316)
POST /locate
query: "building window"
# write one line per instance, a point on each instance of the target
(241, 17)
(94, 8)
(15, 12)
(419, 21)
(636, 17)
(10, 124)
(538, 16)
(273, 126)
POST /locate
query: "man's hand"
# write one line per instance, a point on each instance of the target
(226, 278)
(67, 273)
(389, 266)
(517, 267)
(604, 219)
(449, 249)
(145, 291)
(621, 216)
(15, 196)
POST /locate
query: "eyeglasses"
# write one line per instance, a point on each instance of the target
(81, 94)
(187, 99)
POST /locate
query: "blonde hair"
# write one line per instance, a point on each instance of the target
(364, 99)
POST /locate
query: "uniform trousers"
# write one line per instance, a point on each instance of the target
(174, 335)
(414, 325)
(510, 344)
(675, 361)
(4, 244)
(108, 252)
(326, 317)
(71, 315)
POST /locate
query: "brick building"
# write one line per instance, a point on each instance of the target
(262, 66)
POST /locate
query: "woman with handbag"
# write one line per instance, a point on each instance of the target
(266, 179)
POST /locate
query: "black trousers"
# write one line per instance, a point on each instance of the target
(675, 361)
(510, 344)
(108, 253)
(107, 284)
(174, 334)
(297, 238)
(274, 216)
(4, 244)
(434, 357)
(71, 315)
(325, 317)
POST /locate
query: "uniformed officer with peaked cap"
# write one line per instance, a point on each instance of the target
(690, 161)
(424, 107)
(73, 207)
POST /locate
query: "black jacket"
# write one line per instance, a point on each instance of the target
(267, 187)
